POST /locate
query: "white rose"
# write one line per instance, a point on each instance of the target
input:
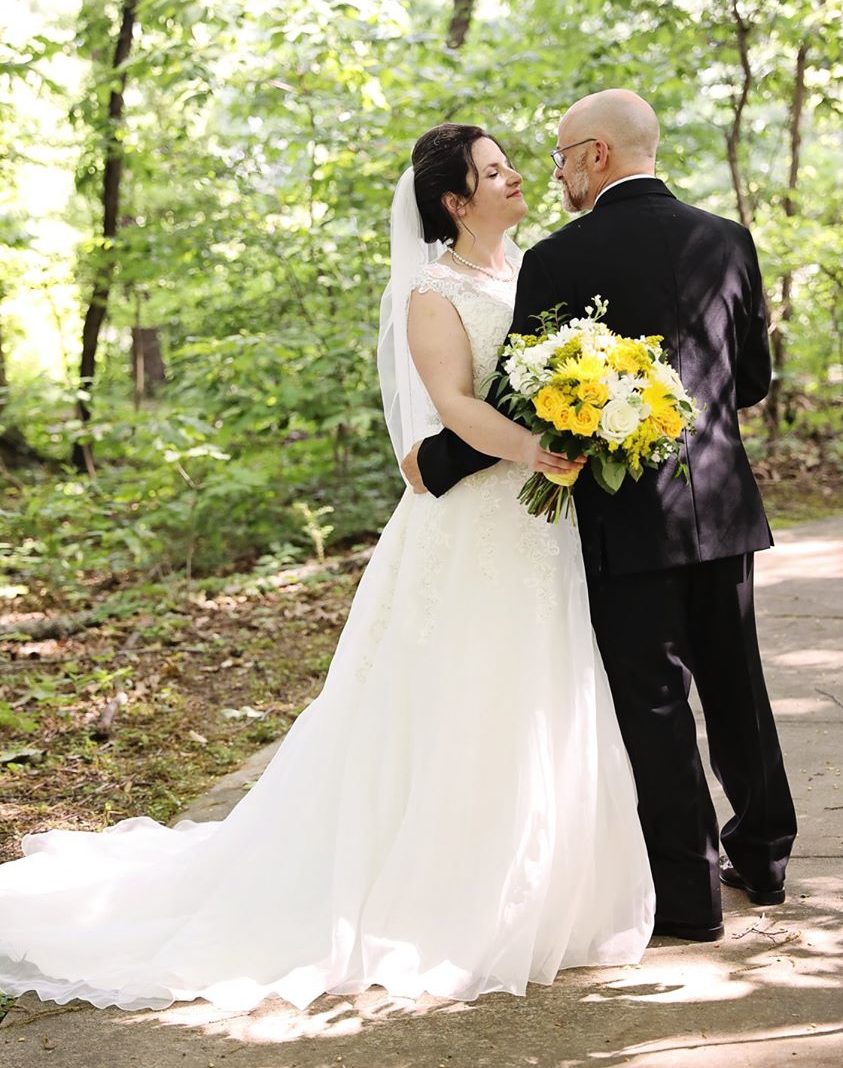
(618, 419)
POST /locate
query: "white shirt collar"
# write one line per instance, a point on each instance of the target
(626, 178)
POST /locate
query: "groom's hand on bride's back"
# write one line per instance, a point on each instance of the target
(410, 467)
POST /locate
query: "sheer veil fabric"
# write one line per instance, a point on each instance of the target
(455, 812)
(408, 410)
(406, 405)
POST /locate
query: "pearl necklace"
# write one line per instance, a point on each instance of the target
(483, 270)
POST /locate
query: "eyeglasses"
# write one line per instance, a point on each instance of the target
(558, 154)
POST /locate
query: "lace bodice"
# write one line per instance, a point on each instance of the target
(485, 307)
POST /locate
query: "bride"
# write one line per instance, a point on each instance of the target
(455, 812)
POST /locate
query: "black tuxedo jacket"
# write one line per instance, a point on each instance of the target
(665, 268)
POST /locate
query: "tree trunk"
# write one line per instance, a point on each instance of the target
(82, 455)
(733, 134)
(14, 450)
(460, 22)
(147, 362)
(778, 335)
(3, 382)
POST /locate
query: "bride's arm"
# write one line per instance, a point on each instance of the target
(442, 354)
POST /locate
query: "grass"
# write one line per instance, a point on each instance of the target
(791, 501)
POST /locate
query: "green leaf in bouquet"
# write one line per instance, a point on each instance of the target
(492, 377)
(608, 473)
(551, 320)
(550, 440)
(568, 445)
(510, 400)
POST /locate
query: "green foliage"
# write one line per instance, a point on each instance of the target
(6, 1003)
(191, 493)
(13, 721)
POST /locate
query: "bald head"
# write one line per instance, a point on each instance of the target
(620, 118)
(611, 134)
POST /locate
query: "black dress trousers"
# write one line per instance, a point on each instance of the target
(655, 631)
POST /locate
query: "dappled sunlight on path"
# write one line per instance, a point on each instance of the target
(820, 558)
(769, 991)
(275, 1021)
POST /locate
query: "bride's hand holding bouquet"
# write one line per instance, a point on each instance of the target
(590, 392)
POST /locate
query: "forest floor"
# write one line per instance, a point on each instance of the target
(171, 685)
(165, 686)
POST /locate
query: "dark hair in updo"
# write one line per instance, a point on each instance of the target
(442, 162)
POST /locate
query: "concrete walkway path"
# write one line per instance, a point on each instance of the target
(769, 995)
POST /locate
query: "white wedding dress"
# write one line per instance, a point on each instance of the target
(455, 813)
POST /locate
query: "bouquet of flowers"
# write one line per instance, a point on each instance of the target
(590, 392)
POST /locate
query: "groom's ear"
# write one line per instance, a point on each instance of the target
(601, 155)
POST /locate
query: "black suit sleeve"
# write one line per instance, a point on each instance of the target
(445, 459)
(753, 367)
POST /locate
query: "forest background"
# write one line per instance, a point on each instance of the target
(194, 206)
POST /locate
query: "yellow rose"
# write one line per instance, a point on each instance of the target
(546, 401)
(669, 422)
(585, 420)
(629, 356)
(551, 404)
(592, 392)
(621, 361)
(563, 417)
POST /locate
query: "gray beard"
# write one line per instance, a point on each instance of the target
(574, 197)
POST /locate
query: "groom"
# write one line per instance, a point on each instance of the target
(668, 559)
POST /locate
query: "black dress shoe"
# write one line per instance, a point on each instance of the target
(691, 933)
(732, 877)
